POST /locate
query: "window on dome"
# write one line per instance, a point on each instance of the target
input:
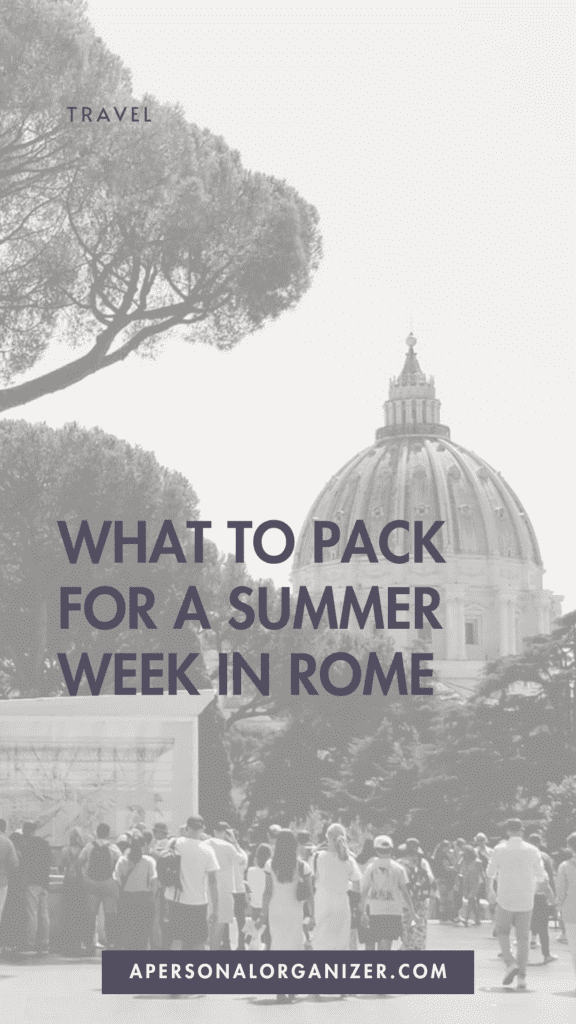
(471, 632)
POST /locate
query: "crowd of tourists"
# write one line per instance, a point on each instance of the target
(149, 889)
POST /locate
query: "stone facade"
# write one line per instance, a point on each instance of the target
(491, 583)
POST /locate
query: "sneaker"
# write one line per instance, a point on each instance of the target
(521, 984)
(549, 959)
(510, 975)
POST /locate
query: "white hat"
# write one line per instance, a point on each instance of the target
(383, 843)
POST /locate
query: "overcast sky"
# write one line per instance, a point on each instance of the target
(436, 144)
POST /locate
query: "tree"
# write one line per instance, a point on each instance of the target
(49, 57)
(529, 701)
(336, 753)
(74, 474)
(158, 229)
(560, 812)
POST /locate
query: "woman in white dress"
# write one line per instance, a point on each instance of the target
(284, 896)
(335, 874)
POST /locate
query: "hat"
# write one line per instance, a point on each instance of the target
(480, 837)
(413, 846)
(383, 843)
(195, 822)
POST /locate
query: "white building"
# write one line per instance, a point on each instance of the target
(76, 761)
(491, 588)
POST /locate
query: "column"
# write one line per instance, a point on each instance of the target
(455, 632)
(507, 623)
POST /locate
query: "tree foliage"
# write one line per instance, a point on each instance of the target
(120, 234)
(560, 812)
(73, 474)
(49, 57)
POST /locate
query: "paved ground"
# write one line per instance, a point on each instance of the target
(68, 992)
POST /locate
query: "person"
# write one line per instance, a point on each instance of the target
(273, 831)
(559, 858)
(280, 902)
(231, 859)
(385, 892)
(159, 846)
(8, 864)
(256, 876)
(13, 922)
(483, 851)
(472, 879)
(34, 858)
(256, 882)
(239, 893)
(187, 905)
(458, 855)
(282, 905)
(335, 871)
(305, 845)
(544, 898)
(420, 887)
(366, 854)
(517, 868)
(566, 896)
(136, 877)
(76, 938)
(98, 860)
(446, 876)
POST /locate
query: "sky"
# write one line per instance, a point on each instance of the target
(436, 144)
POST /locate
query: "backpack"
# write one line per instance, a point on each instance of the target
(100, 866)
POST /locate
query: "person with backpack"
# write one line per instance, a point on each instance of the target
(98, 860)
(136, 876)
(385, 893)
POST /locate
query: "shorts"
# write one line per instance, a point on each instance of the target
(188, 923)
(384, 926)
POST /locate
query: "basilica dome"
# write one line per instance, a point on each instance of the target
(491, 581)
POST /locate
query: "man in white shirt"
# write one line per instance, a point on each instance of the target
(517, 868)
(188, 906)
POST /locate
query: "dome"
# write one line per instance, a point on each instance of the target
(414, 471)
(491, 581)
